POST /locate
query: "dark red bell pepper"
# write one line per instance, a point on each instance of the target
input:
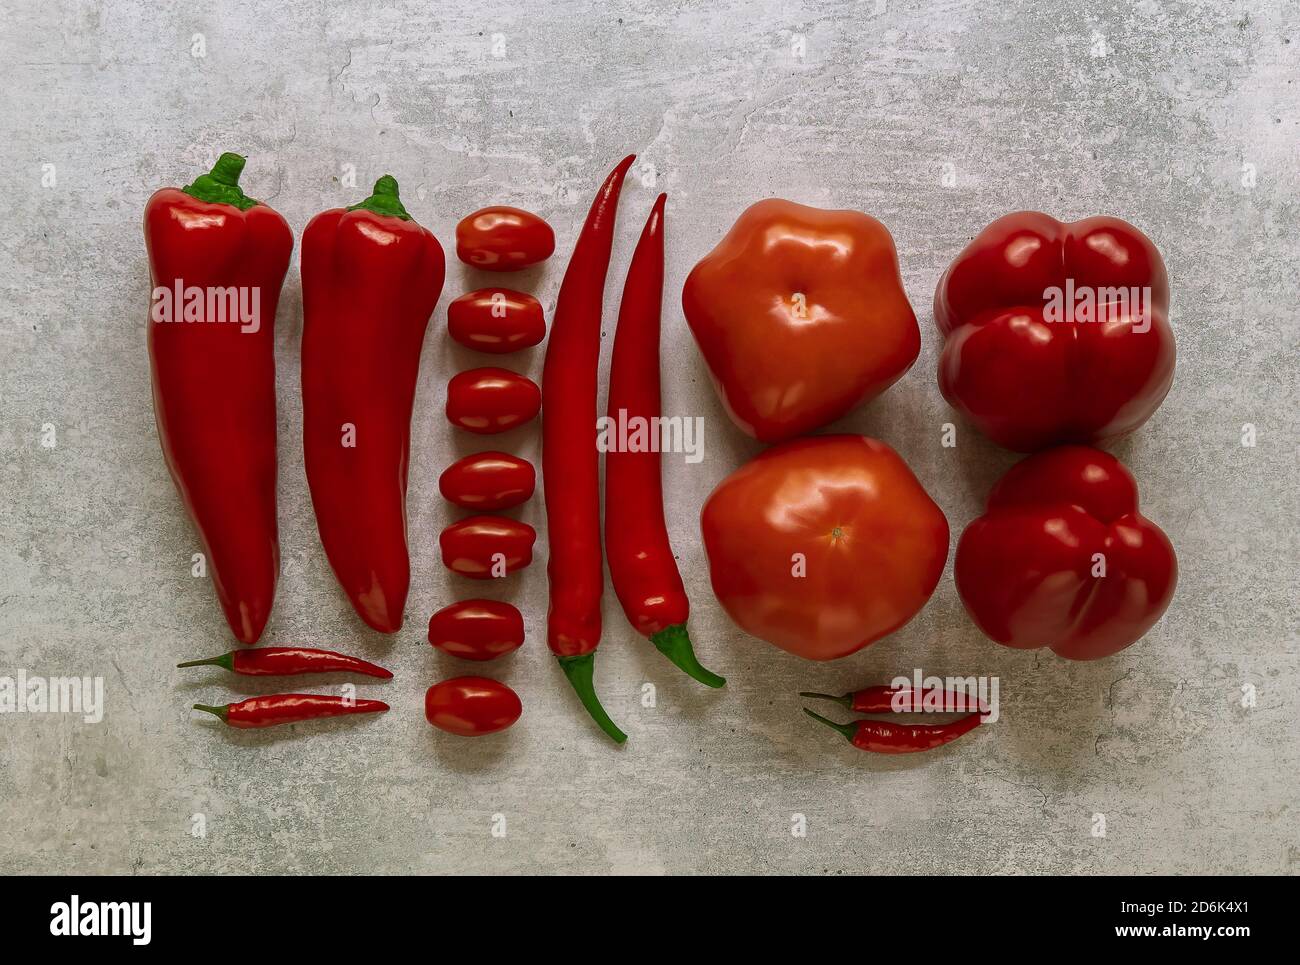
(217, 259)
(1055, 332)
(370, 279)
(1061, 557)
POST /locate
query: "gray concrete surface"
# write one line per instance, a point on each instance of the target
(936, 117)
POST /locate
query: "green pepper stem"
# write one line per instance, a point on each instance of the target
(221, 184)
(215, 711)
(846, 729)
(675, 644)
(579, 670)
(384, 200)
(845, 701)
(226, 661)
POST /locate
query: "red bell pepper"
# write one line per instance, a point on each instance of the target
(1055, 332)
(370, 279)
(217, 259)
(1061, 558)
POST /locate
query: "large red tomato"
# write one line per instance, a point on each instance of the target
(823, 545)
(800, 314)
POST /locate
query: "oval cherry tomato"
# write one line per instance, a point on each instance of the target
(488, 481)
(823, 545)
(496, 320)
(471, 706)
(501, 238)
(491, 400)
(487, 547)
(477, 629)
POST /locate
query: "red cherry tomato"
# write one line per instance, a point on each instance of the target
(477, 629)
(823, 545)
(502, 238)
(491, 400)
(488, 481)
(471, 706)
(496, 320)
(487, 547)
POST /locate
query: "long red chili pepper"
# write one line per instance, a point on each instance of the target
(286, 661)
(901, 700)
(370, 279)
(217, 259)
(290, 709)
(570, 462)
(641, 563)
(883, 737)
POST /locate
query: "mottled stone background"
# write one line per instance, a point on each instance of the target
(936, 117)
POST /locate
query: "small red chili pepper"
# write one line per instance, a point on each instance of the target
(902, 700)
(285, 661)
(641, 563)
(570, 460)
(290, 709)
(883, 737)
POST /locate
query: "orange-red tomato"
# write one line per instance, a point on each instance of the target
(487, 547)
(501, 238)
(477, 629)
(488, 481)
(496, 320)
(489, 400)
(823, 545)
(800, 314)
(471, 706)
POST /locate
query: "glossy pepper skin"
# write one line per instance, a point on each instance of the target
(1020, 358)
(823, 545)
(289, 661)
(800, 314)
(641, 563)
(273, 709)
(1061, 558)
(487, 547)
(570, 460)
(214, 381)
(371, 277)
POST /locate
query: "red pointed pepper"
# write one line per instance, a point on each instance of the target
(289, 661)
(213, 370)
(275, 709)
(641, 564)
(570, 461)
(370, 278)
